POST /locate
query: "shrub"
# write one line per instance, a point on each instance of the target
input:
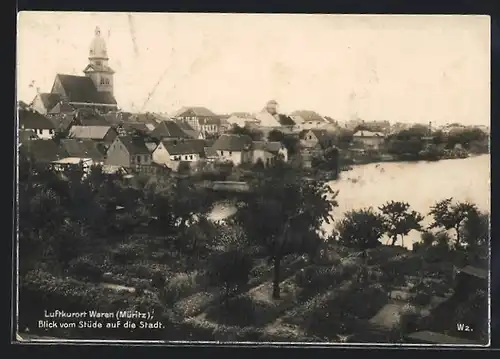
(314, 279)
(230, 270)
(126, 253)
(85, 269)
(181, 286)
(408, 319)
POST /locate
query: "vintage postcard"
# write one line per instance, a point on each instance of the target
(253, 178)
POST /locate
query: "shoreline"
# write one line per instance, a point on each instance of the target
(367, 162)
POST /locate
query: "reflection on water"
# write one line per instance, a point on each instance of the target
(420, 184)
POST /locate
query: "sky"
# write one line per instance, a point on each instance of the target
(399, 68)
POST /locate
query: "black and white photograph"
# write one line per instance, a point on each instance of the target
(253, 179)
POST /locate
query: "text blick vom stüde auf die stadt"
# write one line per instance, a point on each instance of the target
(93, 319)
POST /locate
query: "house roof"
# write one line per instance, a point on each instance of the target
(368, 134)
(82, 89)
(82, 148)
(49, 100)
(184, 147)
(230, 142)
(168, 129)
(151, 146)
(322, 135)
(308, 115)
(285, 120)
(245, 115)
(210, 152)
(61, 107)
(330, 120)
(62, 121)
(197, 111)
(134, 145)
(273, 146)
(91, 132)
(34, 120)
(42, 150)
(184, 126)
(147, 118)
(136, 126)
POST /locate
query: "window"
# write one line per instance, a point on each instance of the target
(190, 157)
(230, 153)
(186, 157)
(138, 158)
(98, 63)
(310, 137)
(222, 153)
(51, 131)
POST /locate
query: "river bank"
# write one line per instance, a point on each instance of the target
(419, 183)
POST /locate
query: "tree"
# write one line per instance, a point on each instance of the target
(284, 213)
(475, 234)
(361, 230)
(275, 136)
(230, 265)
(449, 215)
(253, 133)
(399, 220)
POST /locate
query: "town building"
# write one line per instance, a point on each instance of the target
(268, 152)
(93, 90)
(129, 152)
(200, 119)
(84, 149)
(242, 119)
(306, 120)
(168, 129)
(317, 139)
(368, 139)
(233, 148)
(171, 152)
(42, 126)
(103, 134)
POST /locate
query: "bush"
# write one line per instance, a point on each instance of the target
(126, 253)
(181, 286)
(84, 268)
(314, 279)
(243, 311)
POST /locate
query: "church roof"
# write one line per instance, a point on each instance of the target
(98, 48)
(82, 89)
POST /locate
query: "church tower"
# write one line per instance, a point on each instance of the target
(98, 69)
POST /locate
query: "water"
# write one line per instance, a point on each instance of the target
(420, 184)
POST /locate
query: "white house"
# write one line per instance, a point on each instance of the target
(233, 148)
(307, 120)
(171, 152)
(268, 152)
(370, 140)
(242, 119)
